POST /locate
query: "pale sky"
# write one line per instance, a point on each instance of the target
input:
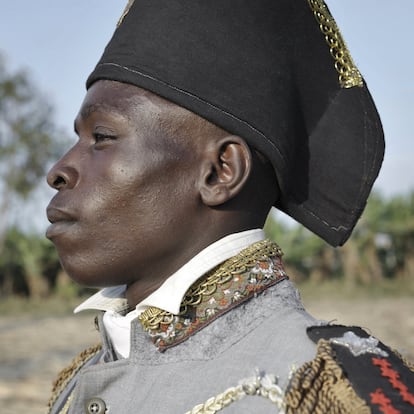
(60, 41)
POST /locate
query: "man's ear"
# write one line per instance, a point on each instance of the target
(227, 165)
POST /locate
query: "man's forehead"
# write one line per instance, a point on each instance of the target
(108, 95)
(103, 95)
(115, 98)
(136, 103)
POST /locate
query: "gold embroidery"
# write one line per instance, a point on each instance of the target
(126, 11)
(320, 386)
(154, 318)
(68, 373)
(349, 75)
(265, 387)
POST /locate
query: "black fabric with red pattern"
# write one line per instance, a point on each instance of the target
(379, 377)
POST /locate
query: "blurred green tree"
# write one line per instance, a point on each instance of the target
(29, 265)
(29, 139)
(381, 245)
(307, 257)
(392, 221)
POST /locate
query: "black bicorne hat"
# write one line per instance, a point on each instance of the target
(275, 72)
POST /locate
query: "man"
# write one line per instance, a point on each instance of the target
(199, 117)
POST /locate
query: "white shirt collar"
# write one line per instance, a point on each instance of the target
(170, 294)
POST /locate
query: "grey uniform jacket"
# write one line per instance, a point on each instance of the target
(265, 335)
(241, 343)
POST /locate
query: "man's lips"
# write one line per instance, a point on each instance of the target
(59, 219)
(55, 214)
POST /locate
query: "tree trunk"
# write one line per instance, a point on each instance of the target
(350, 263)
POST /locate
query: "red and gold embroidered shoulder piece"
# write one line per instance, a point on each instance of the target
(354, 364)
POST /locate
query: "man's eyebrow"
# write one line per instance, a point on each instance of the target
(105, 108)
(97, 107)
(88, 110)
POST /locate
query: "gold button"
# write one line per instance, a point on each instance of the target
(95, 406)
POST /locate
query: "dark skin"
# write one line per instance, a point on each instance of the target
(146, 187)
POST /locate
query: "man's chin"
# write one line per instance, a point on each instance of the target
(88, 277)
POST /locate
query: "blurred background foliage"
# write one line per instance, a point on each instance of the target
(29, 139)
(381, 248)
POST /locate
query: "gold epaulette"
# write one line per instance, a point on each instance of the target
(320, 387)
(353, 372)
(65, 376)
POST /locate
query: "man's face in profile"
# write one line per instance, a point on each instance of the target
(124, 189)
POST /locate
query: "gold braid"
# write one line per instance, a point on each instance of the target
(349, 74)
(265, 387)
(319, 387)
(70, 371)
(125, 12)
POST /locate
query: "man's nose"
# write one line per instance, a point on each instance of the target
(63, 174)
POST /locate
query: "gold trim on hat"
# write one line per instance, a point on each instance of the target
(349, 75)
(125, 12)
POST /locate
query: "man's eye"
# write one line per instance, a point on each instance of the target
(103, 138)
